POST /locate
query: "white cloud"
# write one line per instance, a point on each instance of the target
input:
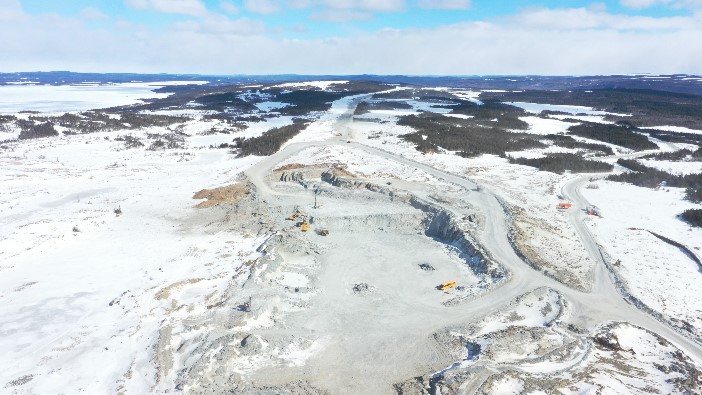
(10, 10)
(367, 5)
(359, 5)
(527, 43)
(262, 6)
(229, 7)
(222, 25)
(183, 7)
(341, 16)
(93, 13)
(642, 3)
(445, 4)
(589, 18)
(639, 4)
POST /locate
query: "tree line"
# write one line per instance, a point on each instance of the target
(269, 142)
(644, 176)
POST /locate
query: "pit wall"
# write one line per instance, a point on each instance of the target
(439, 224)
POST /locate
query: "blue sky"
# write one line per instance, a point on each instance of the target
(353, 36)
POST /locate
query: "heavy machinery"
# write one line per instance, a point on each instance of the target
(447, 285)
(294, 215)
(304, 225)
(323, 232)
(565, 206)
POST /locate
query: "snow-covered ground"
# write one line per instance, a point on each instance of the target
(71, 98)
(97, 302)
(679, 129)
(78, 283)
(674, 167)
(552, 244)
(310, 84)
(660, 275)
(538, 125)
(537, 108)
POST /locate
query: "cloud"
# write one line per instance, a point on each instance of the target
(93, 13)
(262, 6)
(579, 41)
(299, 28)
(359, 5)
(640, 4)
(10, 10)
(366, 5)
(221, 25)
(183, 7)
(229, 7)
(594, 18)
(341, 16)
(445, 4)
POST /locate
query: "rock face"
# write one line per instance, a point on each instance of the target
(294, 176)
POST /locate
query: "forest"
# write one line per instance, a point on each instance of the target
(622, 136)
(269, 142)
(467, 136)
(693, 217)
(561, 162)
(644, 176)
(647, 107)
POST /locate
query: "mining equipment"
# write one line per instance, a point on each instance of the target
(447, 285)
(294, 215)
(304, 225)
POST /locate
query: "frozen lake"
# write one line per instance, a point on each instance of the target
(73, 98)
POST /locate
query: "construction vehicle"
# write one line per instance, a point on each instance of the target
(304, 225)
(294, 215)
(592, 210)
(323, 232)
(565, 206)
(447, 285)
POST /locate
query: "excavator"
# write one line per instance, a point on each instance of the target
(296, 214)
(447, 285)
(304, 225)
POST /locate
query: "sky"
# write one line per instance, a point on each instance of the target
(341, 37)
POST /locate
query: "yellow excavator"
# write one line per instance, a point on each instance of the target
(304, 225)
(296, 214)
(447, 285)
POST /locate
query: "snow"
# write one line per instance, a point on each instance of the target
(677, 129)
(471, 96)
(537, 108)
(674, 167)
(268, 106)
(660, 275)
(323, 127)
(73, 301)
(72, 98)
(584, 118)
(359, 163)
(83, 309)
(542, 152)
(507, 385)
(313, 84)
(528, 311)
(538, 125)
(460, 116)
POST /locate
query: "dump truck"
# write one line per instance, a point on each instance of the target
(447, 285)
